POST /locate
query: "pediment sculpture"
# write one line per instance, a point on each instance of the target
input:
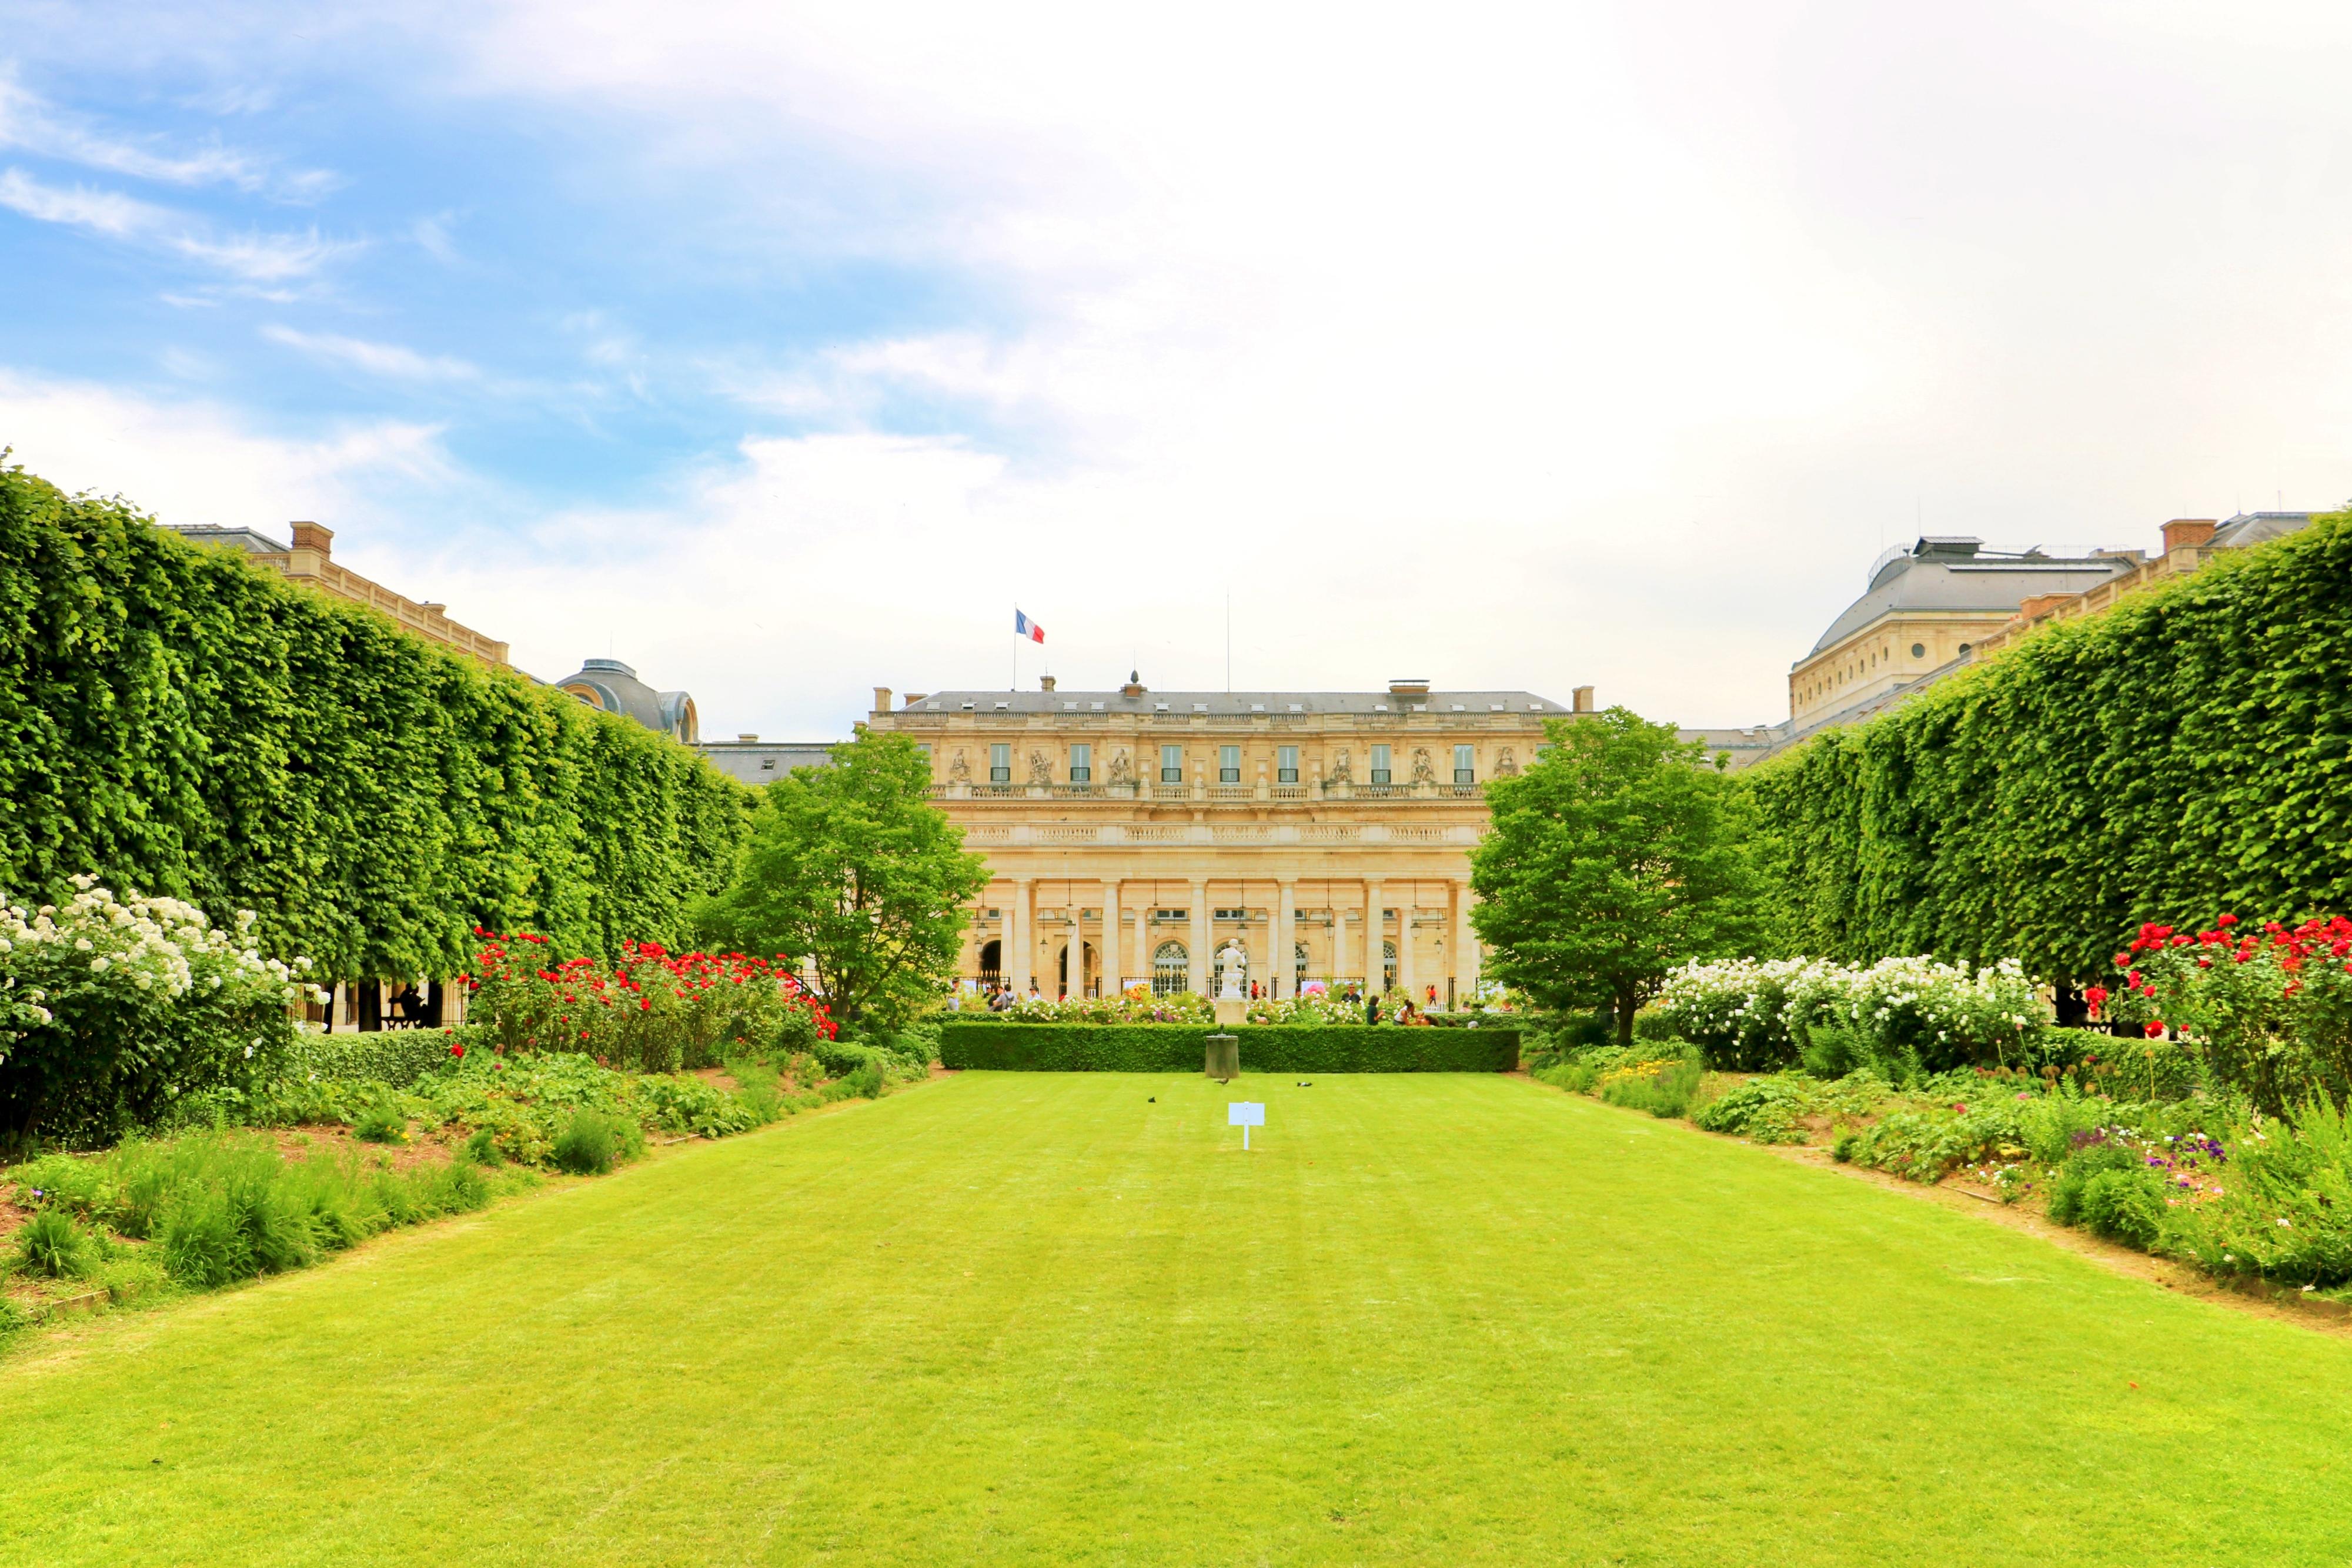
(1423, 771)
(1505, 765)
(1041, 772)
(1340, 774)
(1120, 772)
(959, 771)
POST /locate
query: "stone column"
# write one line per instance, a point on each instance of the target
(1196, 973)
(1465, 946)
(1408, 972)
(1285, 941)
(1143, 943)
(1018, 940)
(1372, 936)
(1111, 937)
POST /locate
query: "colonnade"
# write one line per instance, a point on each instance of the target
(1272, 957)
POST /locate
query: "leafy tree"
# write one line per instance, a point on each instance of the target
(851, 866)
(1618, 855)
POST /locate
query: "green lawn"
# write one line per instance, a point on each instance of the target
(1035, 1318)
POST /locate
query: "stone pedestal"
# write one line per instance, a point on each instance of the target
(1232, 1012)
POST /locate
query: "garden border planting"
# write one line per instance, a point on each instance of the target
(991, 1046)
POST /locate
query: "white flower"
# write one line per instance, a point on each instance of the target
(97, 965)
(81, 944)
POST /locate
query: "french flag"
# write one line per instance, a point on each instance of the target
(1024, 627)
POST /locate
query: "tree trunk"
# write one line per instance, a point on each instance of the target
(1624, 1007)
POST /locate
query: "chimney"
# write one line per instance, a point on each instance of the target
(881, 699)
(2039, 604)
(1408, 685)
(1045, 682)
(740, 736)
(1134, 687)
(913, 697)
(311, 536)
(1580, 699)
(2193, 533)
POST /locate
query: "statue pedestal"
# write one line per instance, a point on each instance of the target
(1231, 1012)
(1224, 1059)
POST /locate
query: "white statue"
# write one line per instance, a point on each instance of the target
(1234, 959)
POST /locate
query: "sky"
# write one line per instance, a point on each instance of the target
(783, 351)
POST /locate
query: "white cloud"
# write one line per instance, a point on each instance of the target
(107, 213)
(190, 460)
(389, 359)
(31, 125)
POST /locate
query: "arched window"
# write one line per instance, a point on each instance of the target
(1171, 969)
(991, 961)
(1073, 983)
(1388, 966)
(1297, 967)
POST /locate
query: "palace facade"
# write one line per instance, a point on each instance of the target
(1132, 834)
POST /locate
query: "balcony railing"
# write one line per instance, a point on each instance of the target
(1220, 794)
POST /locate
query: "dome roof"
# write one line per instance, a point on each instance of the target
(612, 686)
(1954, 575)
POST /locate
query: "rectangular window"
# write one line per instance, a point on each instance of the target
(1000, 763)
(1229, 765)
(1380, 764)
(1171, 765)
(1465, 765)
(1082, 765)
(1286, 770)
(1229, 915)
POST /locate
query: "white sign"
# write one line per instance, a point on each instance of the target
(1245, 1114)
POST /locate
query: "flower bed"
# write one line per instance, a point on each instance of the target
(989, 1045)
(1751, 1015)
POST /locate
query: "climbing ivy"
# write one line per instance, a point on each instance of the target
(177, 721)
(2187, 752)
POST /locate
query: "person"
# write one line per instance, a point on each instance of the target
(1034, 995)
(1372, 1005)
(1432, 995)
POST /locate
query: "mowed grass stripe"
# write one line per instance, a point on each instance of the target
(1027, 1317)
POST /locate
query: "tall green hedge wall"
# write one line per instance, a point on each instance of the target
(2187, 753)
(175, 720)
(1003, 1047)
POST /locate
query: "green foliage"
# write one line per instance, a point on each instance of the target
(1180, 1048)
(1661, 1088)
(1767, 1110)
(2183, 751)
(1617, 856)
(591, 1141)
(851, 866)
(381, 1125)
(53, 1242)
(175, 720)
(396, 1057)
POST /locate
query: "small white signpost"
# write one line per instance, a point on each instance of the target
(1245, 1114)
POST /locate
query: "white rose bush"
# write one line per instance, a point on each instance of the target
(1752, 1014)
(110, 1008)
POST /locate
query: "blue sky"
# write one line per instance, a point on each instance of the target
(783, 351)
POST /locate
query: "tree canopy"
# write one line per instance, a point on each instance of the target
(1619, 854)
(852, 867)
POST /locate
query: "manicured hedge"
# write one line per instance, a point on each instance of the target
(1265, 1047)
(395, 1056)
(181, 723)
(2187, 752)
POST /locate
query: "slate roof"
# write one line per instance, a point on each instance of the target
(1986, 584)
(1232, 704)
(765, 761)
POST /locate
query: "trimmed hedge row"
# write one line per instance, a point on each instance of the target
(1265, 1047)
(178, 722)
(395, 1056)
(2186, 753)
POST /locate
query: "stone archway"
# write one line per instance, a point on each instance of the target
(1088, 966)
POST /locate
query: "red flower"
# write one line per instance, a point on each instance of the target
(2155, 1028)
(457, 1050)
(2227, 920)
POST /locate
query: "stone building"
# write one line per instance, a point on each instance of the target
(1326, 835)
(308, 561)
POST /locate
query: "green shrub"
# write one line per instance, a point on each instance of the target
(482, 1147)
(397, 1057)
(1653, 1025)
(1767, 1110)
(1268, 1047)
(211, 698)
(381, 1125)
(53, 1242)
(589, 1142)
(1663, 1090)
